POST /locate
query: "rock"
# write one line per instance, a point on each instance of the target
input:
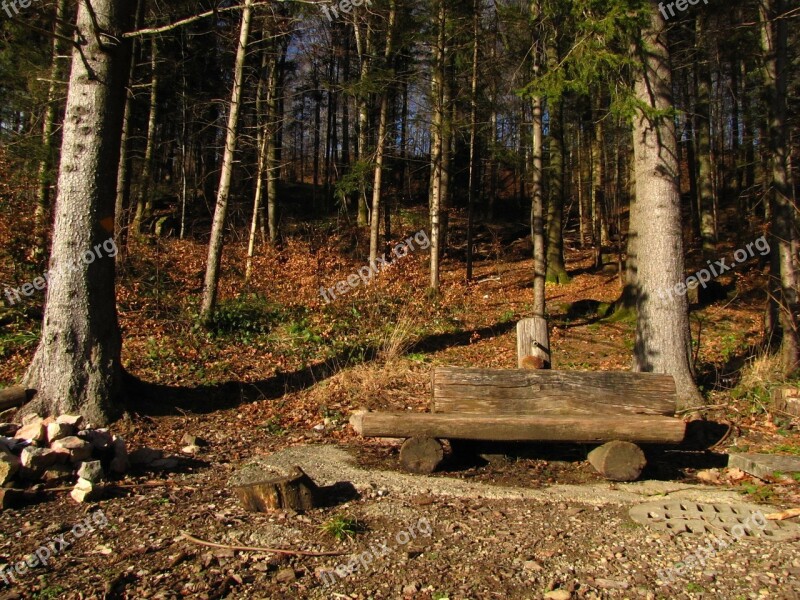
(85, 491)
(35, 432)
(193, 449)
(532, 565)
(9, 467)
(75, 421)
(91, 470)
(145, 456)
(558, 595)
(32, 418)
(12, 445)
(286, 575)
(120, 463)
(58, 431)
(79, 449)
(100, 439)
(192, 440)
(39, 459)
(165, 464)
(8, 429)
(58, 473)
(410, 589)
(10, 498)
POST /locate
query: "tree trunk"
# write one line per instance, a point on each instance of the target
(221, 209)
(663, 342)
(774, 39)
(705, 173)
(537, 212)
(439, 149)
(273, 133)
(144, 203)
(48, 161)
(556, 269)
(380, 149)
(261, 161)
(76, 368)
(473, 133)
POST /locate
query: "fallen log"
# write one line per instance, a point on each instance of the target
(421, 455)
(546, 392)
(643, 429)
(618, 461)
(14, 396)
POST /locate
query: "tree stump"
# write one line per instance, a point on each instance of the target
(421, 455)
(618, 461)
(295, 491)
(533, 344)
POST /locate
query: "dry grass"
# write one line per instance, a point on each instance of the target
(398, 339)
(761, 372)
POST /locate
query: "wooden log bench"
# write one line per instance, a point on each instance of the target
(537, 406)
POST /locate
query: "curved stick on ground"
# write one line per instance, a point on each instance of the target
(197, 540)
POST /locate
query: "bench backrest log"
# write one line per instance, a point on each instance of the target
(546, 392)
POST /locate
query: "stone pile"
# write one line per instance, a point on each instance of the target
(48, 450)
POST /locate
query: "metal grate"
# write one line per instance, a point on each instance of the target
(742, 521)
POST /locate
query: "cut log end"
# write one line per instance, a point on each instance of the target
(421, 455)
(295, 491)
(618, 461)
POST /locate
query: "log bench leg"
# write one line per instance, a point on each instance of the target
(618, 461)
(421, 455)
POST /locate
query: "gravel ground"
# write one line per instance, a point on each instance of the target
(422, 538)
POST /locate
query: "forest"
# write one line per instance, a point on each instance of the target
(228, 225)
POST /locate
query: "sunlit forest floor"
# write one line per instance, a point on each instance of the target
(281, 368)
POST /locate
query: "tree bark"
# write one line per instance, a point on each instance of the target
(556, 268)
(144, 203)
(48, 162)
(705, 172)
(76, 368)
(380, 149)
(573, 428)
(439, 144)
(783, 297)
(221, 209)
(663, 342)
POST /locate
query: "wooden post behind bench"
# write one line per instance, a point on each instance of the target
(533, 339)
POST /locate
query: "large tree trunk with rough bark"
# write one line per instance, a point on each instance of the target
(663, 341)
(76, 368)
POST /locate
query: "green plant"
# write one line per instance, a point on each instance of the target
(46, 593)
(759, 493)
(341, 527)
(786, 449)
(694, 588)
(273, 426)
(440, 596)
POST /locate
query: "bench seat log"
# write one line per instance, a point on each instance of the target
(505, 392)
(642, 429)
